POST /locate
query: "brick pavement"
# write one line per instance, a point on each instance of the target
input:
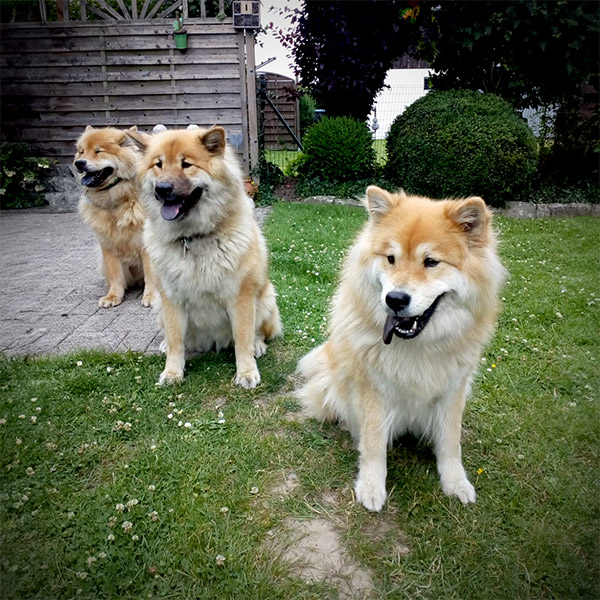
(51, 285)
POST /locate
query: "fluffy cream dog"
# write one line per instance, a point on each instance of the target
(207, 250)
(416, 304)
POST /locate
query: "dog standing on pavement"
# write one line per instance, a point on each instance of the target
(105, 163)
(207, 250)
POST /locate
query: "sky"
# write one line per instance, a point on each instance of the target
(267, 46)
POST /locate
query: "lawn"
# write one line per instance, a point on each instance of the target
(113, 487)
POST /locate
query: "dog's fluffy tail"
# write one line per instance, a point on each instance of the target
(317, 390)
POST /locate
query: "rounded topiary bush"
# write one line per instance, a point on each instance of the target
(462, 143)
(337, 149)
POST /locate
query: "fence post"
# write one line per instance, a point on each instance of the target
(251, 81)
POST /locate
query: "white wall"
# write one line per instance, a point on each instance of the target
(405, 86)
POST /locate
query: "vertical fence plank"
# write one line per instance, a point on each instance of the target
(244, 100)
(252, 114)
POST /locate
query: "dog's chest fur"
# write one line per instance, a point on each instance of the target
(200, 274)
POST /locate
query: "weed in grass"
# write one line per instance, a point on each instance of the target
(113, 487)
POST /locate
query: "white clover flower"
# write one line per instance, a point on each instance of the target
(135, 537)
(127, 525)
(2, 421)
(187, 424)
(29, 471)
(91, 560)
(220, 560)
(33, 419)
(224, 510)
(110, 538)
(79, 363)
(151, 487)
(153, 516)
(81, 574)
(120, 507)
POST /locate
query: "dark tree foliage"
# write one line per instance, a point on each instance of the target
(532, 53)
(343, 50)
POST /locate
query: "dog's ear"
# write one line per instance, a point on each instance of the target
(88, 128)
(137, 138)
(378, 202)
(214, 140)
(133, 128)
(473, 217)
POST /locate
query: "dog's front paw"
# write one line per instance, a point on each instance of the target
(109, 301)
(461, 488)
(248, 379)
(371, 494)
(170, 376)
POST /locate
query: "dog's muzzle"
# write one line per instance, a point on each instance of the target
(92, 178)
(173, 204)
(405, 328)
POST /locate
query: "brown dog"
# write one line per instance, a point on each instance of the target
(106, 167)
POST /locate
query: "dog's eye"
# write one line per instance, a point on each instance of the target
(158, 164)
(431, 262)
(391, 259)
(185, 164)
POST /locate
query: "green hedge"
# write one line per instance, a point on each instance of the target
(337, 149)
(462, 143)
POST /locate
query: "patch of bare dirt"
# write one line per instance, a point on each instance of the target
(315, 551)
(287, 486)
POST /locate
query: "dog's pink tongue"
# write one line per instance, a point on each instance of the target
(170, 211)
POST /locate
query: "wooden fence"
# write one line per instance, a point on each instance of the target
(281, 91)
(59, 77)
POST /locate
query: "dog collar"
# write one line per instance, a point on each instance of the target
(188, 239)
(110, 185)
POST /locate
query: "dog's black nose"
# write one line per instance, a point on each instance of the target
(163, 189)
(80, 165)
(397, 301)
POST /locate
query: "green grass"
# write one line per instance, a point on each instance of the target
(105, 435)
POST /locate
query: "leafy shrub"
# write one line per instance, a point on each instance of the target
(307, 106)
(270, 176)
(337, 149)
(461, 143)
(20, 176)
